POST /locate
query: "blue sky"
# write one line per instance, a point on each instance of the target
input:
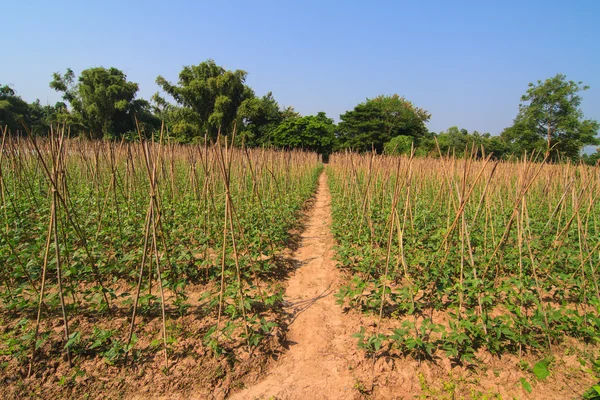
(467, 62)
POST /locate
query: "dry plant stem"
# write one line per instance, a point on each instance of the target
(160, 285)
(59, 277)
(154, 209)
(387, 259)
(140, 278)
(2, 188)
(535, 274)
(76, 227)
(223, 258)
(41, 295)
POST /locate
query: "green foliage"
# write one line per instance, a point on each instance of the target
(259, 118)
(103, 101)
(526, 385)
(398, 145)
(43, 118)
(593, 393)
(313, 133)
(211, 93)
(103, 236)
(504, 282)
(13, 109)
(541, 368)
(376, 121)
(592, 159)
(551, 121)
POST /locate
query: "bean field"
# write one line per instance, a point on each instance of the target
(460, 257)
(165, 266)
(113, 250)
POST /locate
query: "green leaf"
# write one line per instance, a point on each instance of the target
(526, 385)
(74, 338)
(540, 369)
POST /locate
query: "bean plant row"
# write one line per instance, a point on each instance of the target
(457, 256)
(98, 240)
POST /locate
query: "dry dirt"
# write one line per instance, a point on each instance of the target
(317, 363)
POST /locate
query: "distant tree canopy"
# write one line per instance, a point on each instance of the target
(14, 112)
(592, 159)
(13, 109)
(211, 99)
(313, 132)
(103, 101)
(210, 96)
(260, 117)
(550, 120)
(453, 141)
(376, 121)
(43, 117)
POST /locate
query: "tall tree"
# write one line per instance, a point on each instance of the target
(13, 109)
(43, 117)
(212, 93)
(258, 117)
(376, 121)
(104, 100)
(312, 132)
(550, 120)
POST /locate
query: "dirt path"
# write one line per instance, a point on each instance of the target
(317, 364)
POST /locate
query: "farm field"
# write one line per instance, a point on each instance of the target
(297, 201)
(132, 268)
(482, 274)
(212, 271)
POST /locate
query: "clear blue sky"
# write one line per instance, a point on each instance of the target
(467, 62)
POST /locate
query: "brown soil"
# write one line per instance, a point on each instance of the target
(321, 353)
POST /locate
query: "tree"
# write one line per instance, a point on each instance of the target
(460, 142)
(312, 132)
(211, 93)
(259, 117)
(13, 109)
(43, 117)
(103, 99)
(378, 120)
(399, 145)
(182, 123)
(550, 120)
(592, 159)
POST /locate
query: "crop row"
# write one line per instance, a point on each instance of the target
(462, 255)
(104, 245)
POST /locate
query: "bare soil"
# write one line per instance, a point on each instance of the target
(321, 352)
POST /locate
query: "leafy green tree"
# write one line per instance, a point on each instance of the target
(211, 93)
(460, 143)
(496, 146)
(453, 141)
(399, 145)
(103, 99)
(259, 118)
(312, 132)
(550, 120)
(43, 117)
(592, 159)
(183, 124)
(13, 109)
(376, 121)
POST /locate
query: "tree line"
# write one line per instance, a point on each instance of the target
(208, 100)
